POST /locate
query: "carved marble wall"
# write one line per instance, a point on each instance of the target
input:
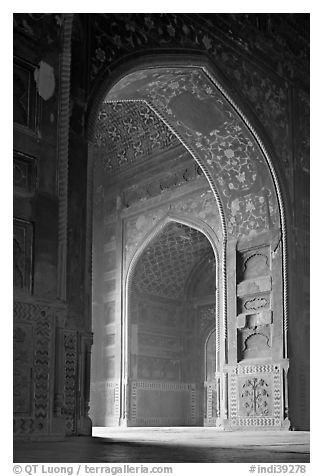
(157, 396)
(167, 362)
(22, 255)
(269, 96)
(270, 88)
(254, 290)
(256, 395)
(203, 349)
(33, 368)
(265, 59)
(50, 363)
(169, 329)
(255, 326)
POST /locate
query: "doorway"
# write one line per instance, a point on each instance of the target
(169, 308)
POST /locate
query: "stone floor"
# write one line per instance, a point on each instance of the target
(171, 445)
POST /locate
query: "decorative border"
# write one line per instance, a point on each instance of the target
(210, 388)
(256, 368)
(70, 380)
(261, 422)
(23, 357)
(116, 387)
(162, 386)
(41, 316)
(62, 152)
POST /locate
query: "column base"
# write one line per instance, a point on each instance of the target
(84, 426)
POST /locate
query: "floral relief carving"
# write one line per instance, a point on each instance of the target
(254, 397)
(267, 91)
(270, 102)
(38, 26)
(115, 34)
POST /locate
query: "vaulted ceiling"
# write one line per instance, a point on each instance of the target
(128, 133)
(166, 264)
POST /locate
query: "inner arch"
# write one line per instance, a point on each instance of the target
(169, 310)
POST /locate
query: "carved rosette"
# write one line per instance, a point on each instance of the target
(256, 395)
(33, 337)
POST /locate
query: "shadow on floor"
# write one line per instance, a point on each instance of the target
(110, 450)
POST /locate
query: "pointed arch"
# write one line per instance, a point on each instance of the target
(148, 61)
(194, 223)
(227, 195)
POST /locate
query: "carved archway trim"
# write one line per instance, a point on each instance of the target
(280, 197)
(63, 148)
(206, 337)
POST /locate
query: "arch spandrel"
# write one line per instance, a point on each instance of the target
(193, 106)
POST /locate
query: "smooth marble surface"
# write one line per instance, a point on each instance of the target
(173, 445)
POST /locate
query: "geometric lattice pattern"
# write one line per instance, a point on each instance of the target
(166, 263)
(70, 345)
(127, 133)
(39, 318)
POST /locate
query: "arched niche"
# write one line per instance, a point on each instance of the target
(165, 337)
